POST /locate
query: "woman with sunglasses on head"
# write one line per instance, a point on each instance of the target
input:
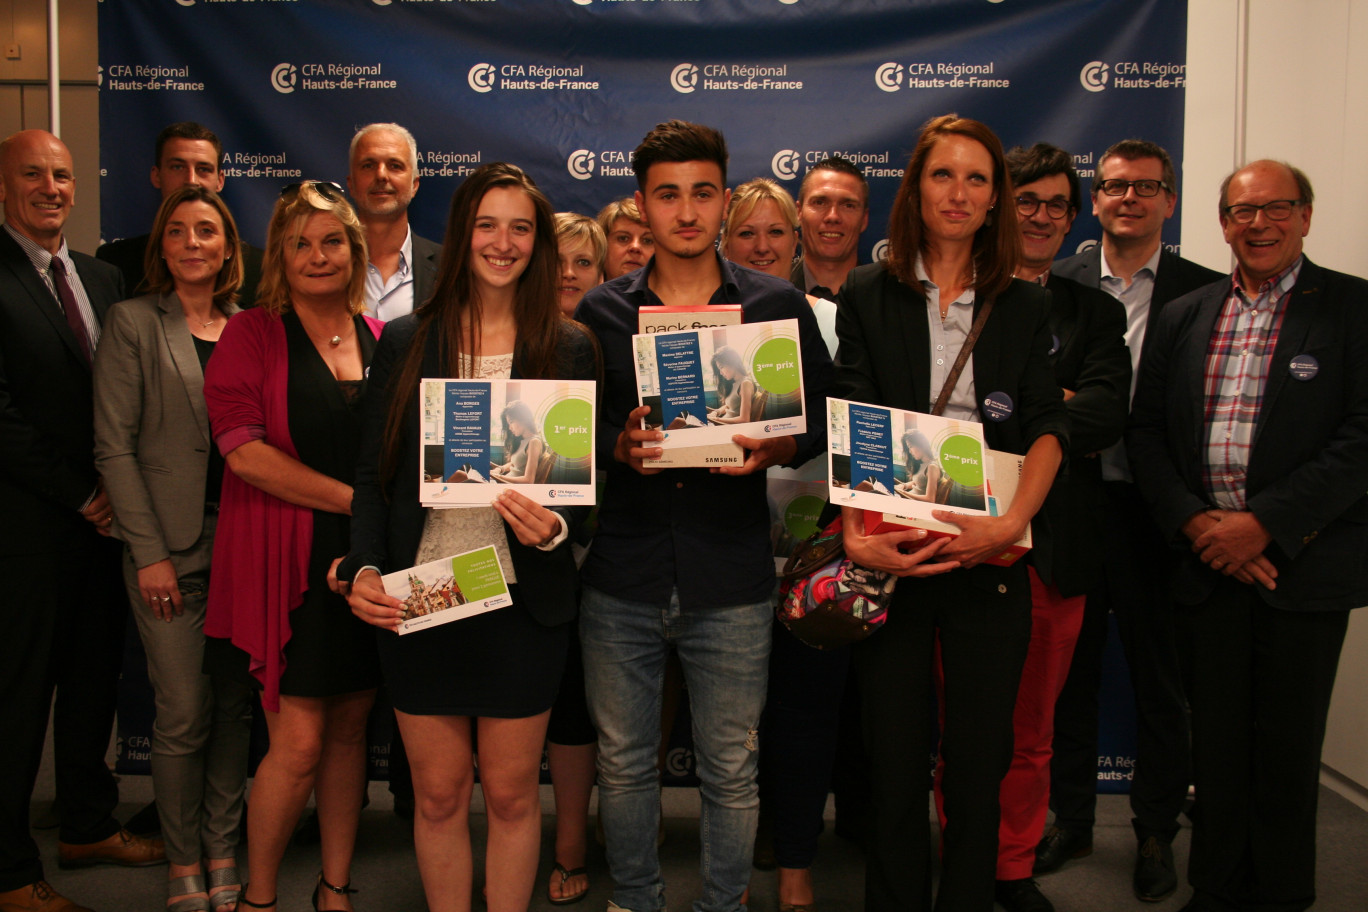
(152, 450)
(953, 246)
(284, 392)
(493, 316)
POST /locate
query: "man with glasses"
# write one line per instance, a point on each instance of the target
(1134, 192)
(833, 211)
(1249, 440)
(1093, 368)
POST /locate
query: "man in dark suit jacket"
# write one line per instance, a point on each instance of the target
(186, 153)
(1249, 442)
(833, 211)
(62, 617)
(1091, 364)
(1134, 192)
(383, 179)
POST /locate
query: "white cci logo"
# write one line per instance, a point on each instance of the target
(1094, 76)
(684, 78)
(785, 164)
(186, 2)
(382, 2)
(889, 77)
(283, 78)
(880, 251)
(481, 77)
(580, 164)
(583, 2)
(1086, 245)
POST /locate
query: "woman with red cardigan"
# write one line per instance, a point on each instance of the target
(284, 391)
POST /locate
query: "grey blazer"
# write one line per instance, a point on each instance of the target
(151, 426)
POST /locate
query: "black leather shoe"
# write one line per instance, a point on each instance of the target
(1155, 878)
(1021, 896)
(1058, 845)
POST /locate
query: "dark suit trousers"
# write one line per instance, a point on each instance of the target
(1261, 681)
(984, 631)
(61, 625)
(1134, 587)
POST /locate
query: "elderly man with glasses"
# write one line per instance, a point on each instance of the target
(1134, 192)
(1249, 442)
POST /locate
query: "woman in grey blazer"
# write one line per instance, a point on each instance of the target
(162, 474)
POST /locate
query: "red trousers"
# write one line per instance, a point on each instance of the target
(1025, 791)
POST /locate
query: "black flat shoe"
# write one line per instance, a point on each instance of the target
(1021, 896)
(1059, 845)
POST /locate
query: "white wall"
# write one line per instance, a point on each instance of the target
(1305, 100)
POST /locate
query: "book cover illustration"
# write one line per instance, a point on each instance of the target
(652, 320)
(705, 385)
(480, 436)
(449, 589)
(905, 463)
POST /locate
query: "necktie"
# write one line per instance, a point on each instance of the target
(821, 291)
(70, 307)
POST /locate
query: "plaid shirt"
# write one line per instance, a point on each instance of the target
(1237, 363)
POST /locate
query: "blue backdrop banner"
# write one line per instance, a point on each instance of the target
(567, 88)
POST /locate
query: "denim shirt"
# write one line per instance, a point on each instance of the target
(706, 534)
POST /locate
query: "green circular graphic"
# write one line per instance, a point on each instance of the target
(961, 456)
(775, 366)
(801, 513)
(568, 429)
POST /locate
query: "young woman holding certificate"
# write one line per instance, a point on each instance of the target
(902, 323)
(494, 315)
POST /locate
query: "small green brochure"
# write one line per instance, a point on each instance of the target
(449, 589)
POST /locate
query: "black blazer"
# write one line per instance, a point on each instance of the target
(427, 255)
(47, 434)
(387, 523)
(1308, 468)
(1173, 278)
(884, 358)
(128, 255)
(1089, 356)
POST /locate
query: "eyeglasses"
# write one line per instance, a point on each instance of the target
(1028, 206)
(1118, 187)
(1276, 210)
(327, 189)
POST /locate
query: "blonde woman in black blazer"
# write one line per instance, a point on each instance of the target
(153, 450)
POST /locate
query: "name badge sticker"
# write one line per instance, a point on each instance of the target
(997, 406)
(1303, 367)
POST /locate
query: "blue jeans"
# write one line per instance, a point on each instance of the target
(725, 655)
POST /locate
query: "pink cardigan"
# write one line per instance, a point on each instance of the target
(261, 544)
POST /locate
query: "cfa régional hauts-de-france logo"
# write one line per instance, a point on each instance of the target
(1094, 76)
(880, 251)
(889, 77)
(580, 164)
(283, 78)
(684, 78)
(784, 164)
(481, 77)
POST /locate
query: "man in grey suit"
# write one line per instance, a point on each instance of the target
(1134, 192)
(63, 611)
(383, 179)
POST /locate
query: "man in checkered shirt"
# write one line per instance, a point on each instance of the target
(1249, 442)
